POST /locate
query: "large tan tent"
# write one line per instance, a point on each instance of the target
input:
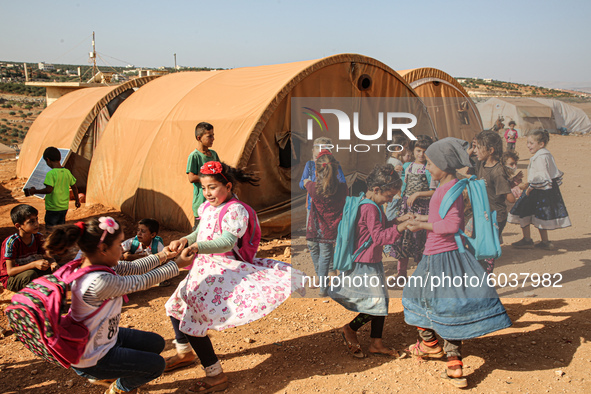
(141, 161)
(452, 111)
(75, 121)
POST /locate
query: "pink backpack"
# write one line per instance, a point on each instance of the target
(35, 317)
(246, 248)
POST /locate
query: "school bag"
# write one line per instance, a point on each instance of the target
(247, 246)
(135, 244)
(344, 251)
(484, 242)
(35, 317)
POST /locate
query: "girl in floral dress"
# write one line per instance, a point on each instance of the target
(417, 189)
(221, 291)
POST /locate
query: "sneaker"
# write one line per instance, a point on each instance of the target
(544, 245)
(523, 244)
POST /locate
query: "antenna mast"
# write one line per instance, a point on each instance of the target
(93, 56)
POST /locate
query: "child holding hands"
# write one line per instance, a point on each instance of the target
(222, 290)
(120, 357)
(455, 313)
(417, 189)
(371, 299)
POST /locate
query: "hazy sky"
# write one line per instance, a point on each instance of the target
(520, 41)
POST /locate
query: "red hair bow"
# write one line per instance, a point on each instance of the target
(212, 168)
(81, 226)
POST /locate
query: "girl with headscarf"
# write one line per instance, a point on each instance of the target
(457, 308)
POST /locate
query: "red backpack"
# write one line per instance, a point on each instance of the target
(35, 317)
(247, 246)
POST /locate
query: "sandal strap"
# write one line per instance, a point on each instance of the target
(455, 363)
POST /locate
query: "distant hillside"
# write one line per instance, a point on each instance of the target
(477, 87)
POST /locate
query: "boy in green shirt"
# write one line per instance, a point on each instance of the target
(57, 189)
(197, 158)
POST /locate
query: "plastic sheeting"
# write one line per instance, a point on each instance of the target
(569, 119)
(535, 114)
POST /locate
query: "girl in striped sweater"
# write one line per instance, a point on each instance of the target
(118, 357)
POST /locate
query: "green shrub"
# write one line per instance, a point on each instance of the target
(12, 113)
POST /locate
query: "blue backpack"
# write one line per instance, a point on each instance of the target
(135, 244)
(344, 252)
(484, 243)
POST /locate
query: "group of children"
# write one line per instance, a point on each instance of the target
(225, 287)
(414, 228)
(224, 290)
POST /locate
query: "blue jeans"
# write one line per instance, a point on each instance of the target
(133, 361)
(322, 257)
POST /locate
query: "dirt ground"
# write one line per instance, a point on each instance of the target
(297, 348)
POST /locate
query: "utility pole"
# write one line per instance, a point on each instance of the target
(175, 62)
(26, 73)
(93, 56)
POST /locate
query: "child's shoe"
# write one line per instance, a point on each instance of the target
(179, 360)
(114, 390)
(103, 382)
(523, 244)
(544, 245)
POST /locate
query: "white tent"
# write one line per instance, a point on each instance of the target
(568, 117)
(534, 114)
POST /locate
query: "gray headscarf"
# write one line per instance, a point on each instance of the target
(449, 154)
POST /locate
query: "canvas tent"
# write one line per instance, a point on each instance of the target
(75, 121)
(6, 152)
(141, 162)
(568, 118)
(534, 114)
(452, 111)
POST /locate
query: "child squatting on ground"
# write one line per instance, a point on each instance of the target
(371, 302)
(145, 243)
(23, 256)
(121, 358)
(454, 313)
(58, 182)
(541, 203)
(326, 208)
(221, 290)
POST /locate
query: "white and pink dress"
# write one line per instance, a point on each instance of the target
(221, 292)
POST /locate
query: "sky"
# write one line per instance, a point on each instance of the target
(539, 42)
